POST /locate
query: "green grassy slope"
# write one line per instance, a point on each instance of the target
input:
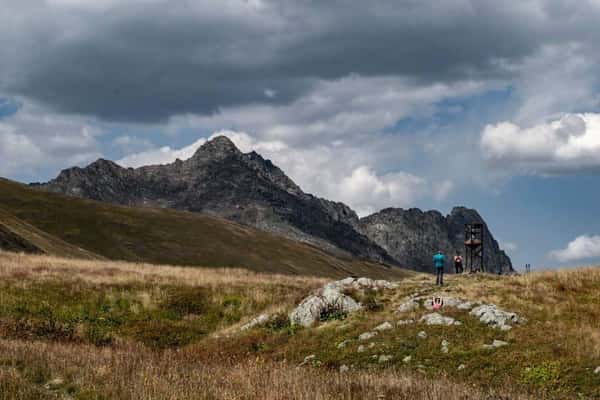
(171, 237)
(17, 235)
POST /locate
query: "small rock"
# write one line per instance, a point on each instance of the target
(438, 319)
(407, 359)
(461, 367)
(361, 348)
(597, 370)
(444, 346)
(408, 306)
(495, 344)
(343, 344)
(261, 319)
(384, 358)
(384, 327)
(344, 368)
(307, 359)
(371, 345)
(367, 335)
(54, 384)
(422, 335)
(405, 322)
(347, 281)
(374, 356)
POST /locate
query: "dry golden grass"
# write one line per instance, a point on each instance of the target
(552, 356)
(39, 267)
(133, 372)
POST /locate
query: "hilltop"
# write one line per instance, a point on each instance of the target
(246, 188)
(37, 221)
(100, 329)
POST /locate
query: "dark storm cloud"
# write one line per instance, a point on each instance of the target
(149, 60)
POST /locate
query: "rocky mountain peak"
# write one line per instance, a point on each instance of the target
(218, 148)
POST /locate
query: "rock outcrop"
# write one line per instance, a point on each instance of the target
(414, 236)
(331, 299)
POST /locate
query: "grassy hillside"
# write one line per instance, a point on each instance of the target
(103, 330)
(162, 236)
(17, 235)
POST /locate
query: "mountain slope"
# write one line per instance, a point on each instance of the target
(17, 235)
(171, 237)
(221, 180)
(414, 236)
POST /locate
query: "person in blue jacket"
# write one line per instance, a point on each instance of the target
(439, 259)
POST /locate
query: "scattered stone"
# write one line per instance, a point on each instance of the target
(422, 335)
(367, 335)
(54, 384)
(384, 327)
(408, 306)
(343, 344)
(490, 314)
(444, 346)
(374, 356)
(371, 345)
(307, 359)
(461, 367)
(344, 368)
(405, 322)
(597, 370)
(361, 348)
(407, 359)
(347, 281)
(495, 344)
(384, 358)
(260, 320)
(438, 319)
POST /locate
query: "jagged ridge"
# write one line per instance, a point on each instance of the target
(244, 187)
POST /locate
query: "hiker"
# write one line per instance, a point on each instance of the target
(458, 263)
(438, 261)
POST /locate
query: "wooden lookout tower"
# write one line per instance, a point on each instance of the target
(474, 247)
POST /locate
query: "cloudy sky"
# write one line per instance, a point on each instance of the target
(408, 103)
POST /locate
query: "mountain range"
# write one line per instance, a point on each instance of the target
(222, 181)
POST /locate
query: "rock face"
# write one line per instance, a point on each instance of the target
(244, 187)
(220, 180)
(414, 236)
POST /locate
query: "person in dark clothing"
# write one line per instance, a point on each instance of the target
(439, 259)
(458, 264)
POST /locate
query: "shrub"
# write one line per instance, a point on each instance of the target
(184, 301)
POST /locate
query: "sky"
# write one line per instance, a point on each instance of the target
(388, 103)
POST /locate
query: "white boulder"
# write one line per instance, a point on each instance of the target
(367, 335)
(383, 327)
(438, 319)
(260, 320)
(490, 314)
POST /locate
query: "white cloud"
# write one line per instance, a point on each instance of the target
(161, 155)
(33, 139)
(565, 145)
(582, 247)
